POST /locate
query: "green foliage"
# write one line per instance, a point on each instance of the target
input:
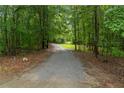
(24, 27)
(89, 28)
(114, 18)
(60, 25)
(117, 52)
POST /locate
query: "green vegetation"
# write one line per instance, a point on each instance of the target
(23, 28)
(117, 53)
(67, 46)
(95, 29)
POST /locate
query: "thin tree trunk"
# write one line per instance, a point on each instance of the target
(75, 26)
(96, 38)
(6, 32)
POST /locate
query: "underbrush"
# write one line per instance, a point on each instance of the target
(11, 66)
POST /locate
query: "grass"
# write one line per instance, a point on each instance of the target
(67, 46)
(117, 53)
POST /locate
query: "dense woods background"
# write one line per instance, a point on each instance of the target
(95, 29)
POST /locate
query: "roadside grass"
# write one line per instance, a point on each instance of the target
(115, 51)
(67, 46)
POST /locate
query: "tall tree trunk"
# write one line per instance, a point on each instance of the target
(96, 38)
(47, 27)
(75, 28)
(40, 15)
(43, 41)
(13, 34)
(6, 32)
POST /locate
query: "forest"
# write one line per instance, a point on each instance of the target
(95, 29)
(68, 46)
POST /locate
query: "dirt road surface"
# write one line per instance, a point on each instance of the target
(61, 69)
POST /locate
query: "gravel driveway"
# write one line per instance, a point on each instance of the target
(61, 69)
